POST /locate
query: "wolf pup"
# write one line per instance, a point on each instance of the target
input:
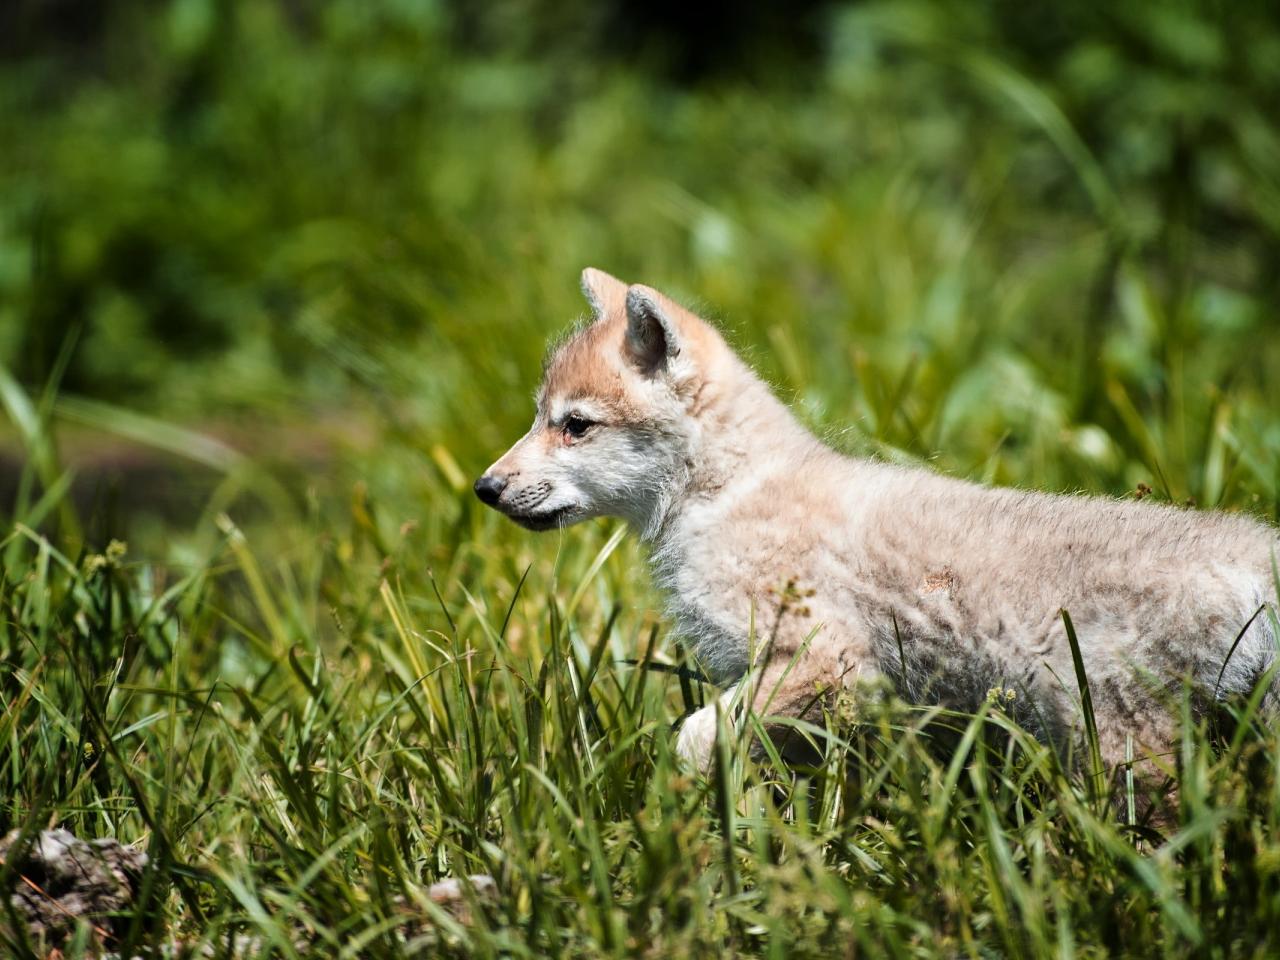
(944, 588)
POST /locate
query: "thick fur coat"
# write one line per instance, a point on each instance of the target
(820, 570)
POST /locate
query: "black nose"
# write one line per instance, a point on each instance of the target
(489, 488)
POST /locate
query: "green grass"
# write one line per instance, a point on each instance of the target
(303, 745)
(273, 292)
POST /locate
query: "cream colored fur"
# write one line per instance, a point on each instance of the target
(945, 588)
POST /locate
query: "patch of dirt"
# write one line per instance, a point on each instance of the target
(121, 478)
(59, 880)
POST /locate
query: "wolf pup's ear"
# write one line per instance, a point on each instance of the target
(653, 337)
(606, 294)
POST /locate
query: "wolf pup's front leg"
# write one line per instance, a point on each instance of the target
(789, 687)
(696, 743)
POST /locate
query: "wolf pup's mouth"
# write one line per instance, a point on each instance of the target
(545, 520)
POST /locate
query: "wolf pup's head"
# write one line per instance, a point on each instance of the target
(622, 408)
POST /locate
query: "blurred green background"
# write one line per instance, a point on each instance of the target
(276, 278)
(1037, 244)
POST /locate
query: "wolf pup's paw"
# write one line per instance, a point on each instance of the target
(697, 740)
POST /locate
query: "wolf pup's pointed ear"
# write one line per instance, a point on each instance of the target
(604, 293)
(653, 337)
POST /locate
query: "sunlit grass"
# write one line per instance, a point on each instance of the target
(305, 741)
(306, 289)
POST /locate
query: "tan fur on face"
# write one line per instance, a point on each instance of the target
(587, 367)
(771, 547)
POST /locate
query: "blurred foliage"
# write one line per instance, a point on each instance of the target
(1045, 235)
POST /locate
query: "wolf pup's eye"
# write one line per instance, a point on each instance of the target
(575, 426)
